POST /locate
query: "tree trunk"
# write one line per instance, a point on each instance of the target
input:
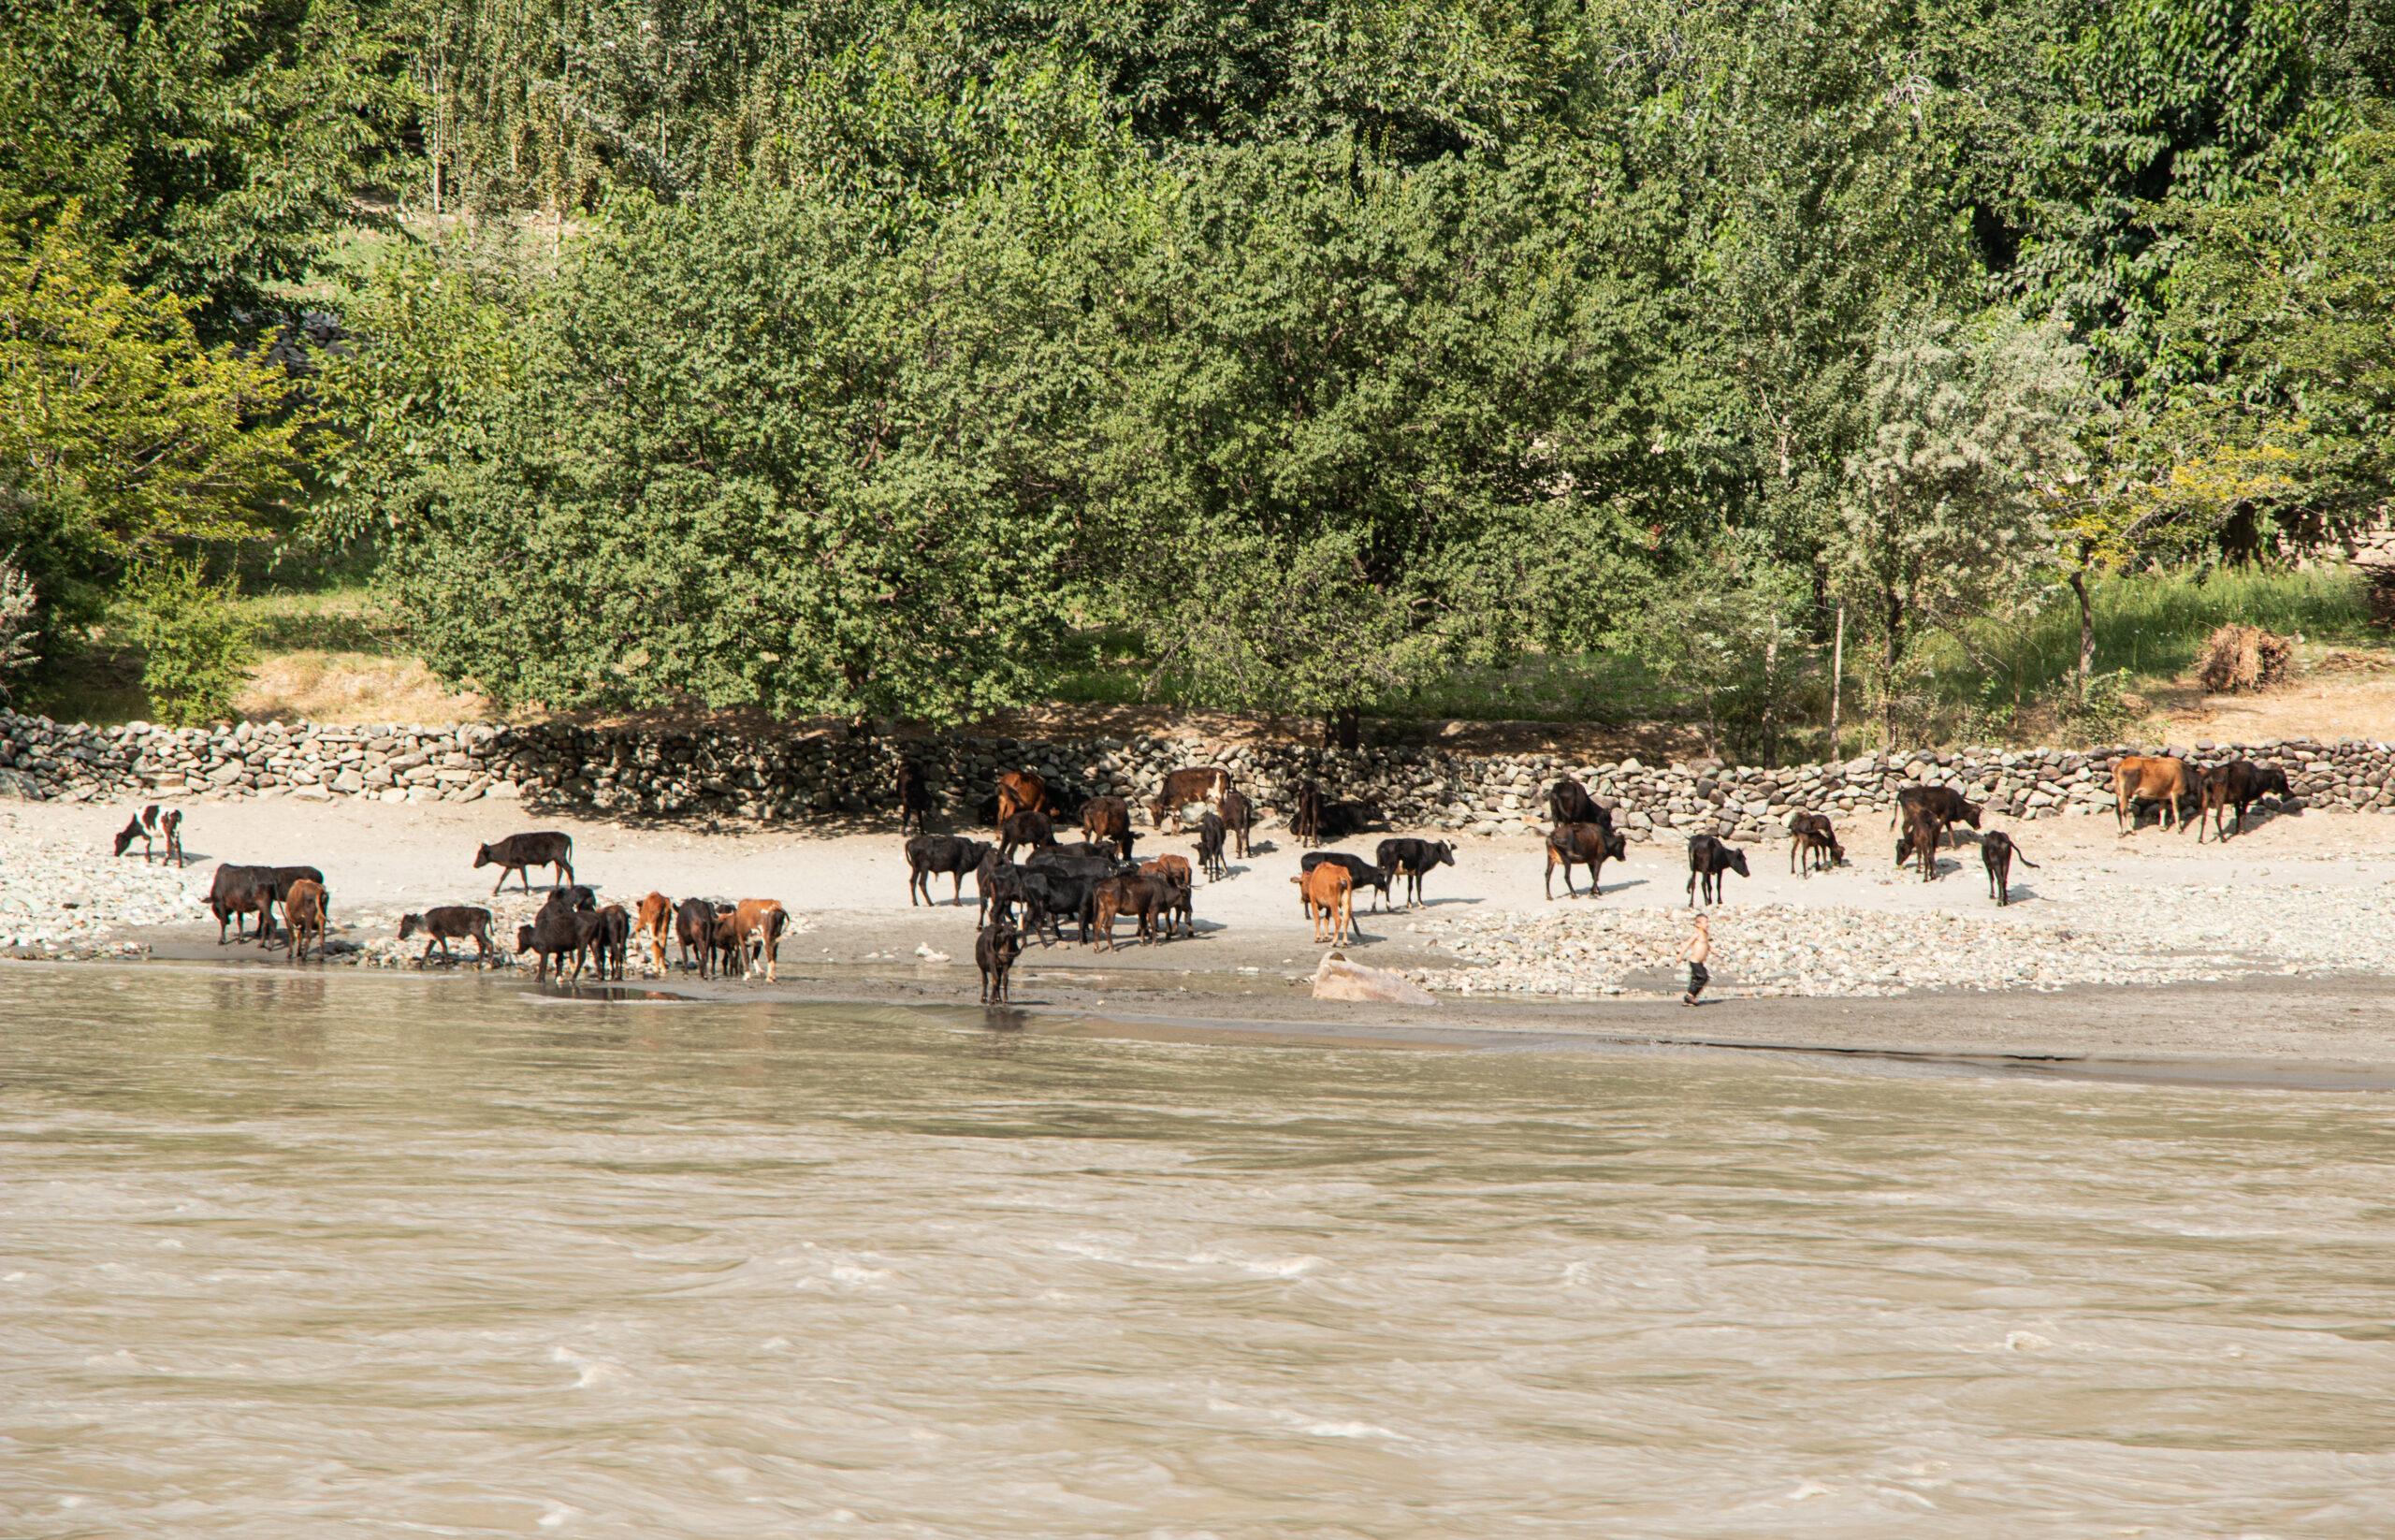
(1894, 656)
(2086, 633)
(1837, 679)
(1343, 727)
(1771, 703)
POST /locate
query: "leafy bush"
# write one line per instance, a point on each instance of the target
(198, 644)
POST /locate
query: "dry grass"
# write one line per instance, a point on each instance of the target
(353, 686)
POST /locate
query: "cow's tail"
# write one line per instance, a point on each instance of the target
(2022, 858)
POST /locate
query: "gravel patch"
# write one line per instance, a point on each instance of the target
(2082, 935)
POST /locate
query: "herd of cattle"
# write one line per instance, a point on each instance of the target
(1097, 880)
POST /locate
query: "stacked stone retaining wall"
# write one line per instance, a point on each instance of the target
(819, 776)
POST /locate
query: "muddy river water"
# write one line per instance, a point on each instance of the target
(368, 1255)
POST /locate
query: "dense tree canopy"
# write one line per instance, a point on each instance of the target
(858, 357)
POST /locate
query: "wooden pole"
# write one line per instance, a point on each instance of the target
(1837, 678)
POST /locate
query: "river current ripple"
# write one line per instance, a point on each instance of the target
(313, 1257)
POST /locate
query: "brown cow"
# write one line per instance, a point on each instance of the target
(1183, 786)
(1107, 820)
(1172, 868)
(1589, 844)
(758, 923)
(1021, 792)
(1141, 896)
(656, 922)
(1328, 894)
(304, 912)
(2151, 777)
(447, 924)
(1813, 841)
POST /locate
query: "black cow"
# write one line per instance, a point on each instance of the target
(1053, 894)
(1996, 854)
(450, 923)
(555, 932)
(131, 832)
(1209, 846)
(999, 882)
(1031, 829)
(950, 854)
(1338, 820)
(235, 894)
(518, 852)
(1589, 844)
(1708, 859)
(610, 942)
(1238, 816)
(2241, 782)
(994, 952)
(914, 797)
(277, 881)
(1568, 802)
(1412, 859)
(1364, 872)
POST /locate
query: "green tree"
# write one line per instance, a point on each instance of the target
(120, 434)
(1943, 519)
(217, 144)
(198, 648)
(760, 448)
(1401, 417)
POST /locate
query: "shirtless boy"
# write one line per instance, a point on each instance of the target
(1699, 948)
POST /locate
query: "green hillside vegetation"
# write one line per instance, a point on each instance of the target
(1340, 360)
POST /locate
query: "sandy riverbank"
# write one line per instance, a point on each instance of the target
(2272, 949)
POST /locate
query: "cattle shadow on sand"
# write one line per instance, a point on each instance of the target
(1580, 892)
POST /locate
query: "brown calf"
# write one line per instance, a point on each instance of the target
(1021, 792)
(1328, 894)
(655, 920)
(759, 921)
(304, 910)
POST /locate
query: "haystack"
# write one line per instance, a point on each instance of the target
(2243, 658)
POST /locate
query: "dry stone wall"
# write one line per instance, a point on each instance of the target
(640, 771)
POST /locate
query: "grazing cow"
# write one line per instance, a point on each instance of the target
(1141, 896)
(1997, 852)
(170, 825)
(235, 894)
(1183, 786)
(1031, 829)
(1708, 859)
(131, 832)
(655, 920)
(1811, 838)
(305, 911)
(994, 952)
(1021, 792)
(1053, 894)
(2239, 781)
(1361, 872)
(1209, 846)
(450, 923)
(914, 797)
(694, 924)
(518, 853)
(1305, 814)
(1238, 816)
(929, 853)
(1328, 894)
(1589, 844)
(611, 942)
(1412, 859)
(1568, 802)
(756, 926)
(2151, 777)
(999, 882)
(1108, 820)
